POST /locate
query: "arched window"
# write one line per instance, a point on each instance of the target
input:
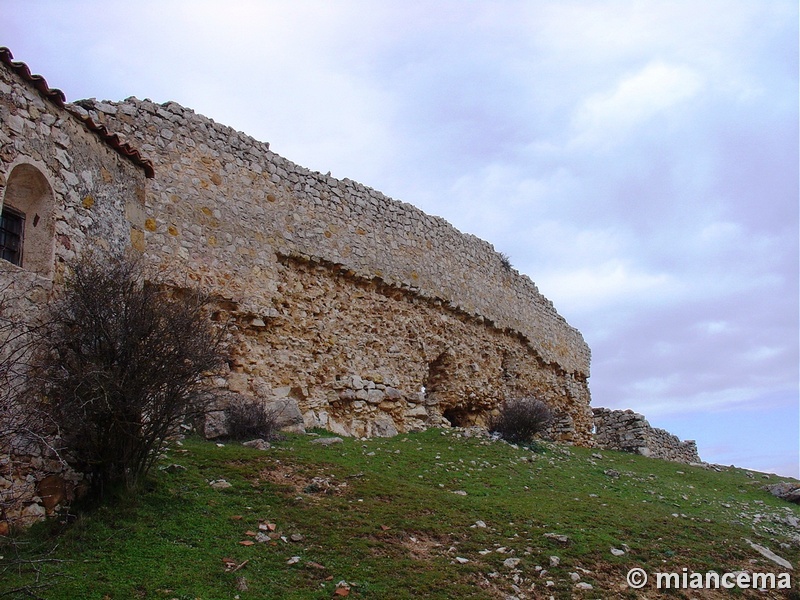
(26, 221)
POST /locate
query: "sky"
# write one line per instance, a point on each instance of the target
(637, 159)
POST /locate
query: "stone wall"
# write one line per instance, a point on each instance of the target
(629, 431)
(334, 286)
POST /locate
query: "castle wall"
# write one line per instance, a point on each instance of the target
(333, 285)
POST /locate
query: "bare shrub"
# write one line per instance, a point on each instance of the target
(520, 419)
(121, 365)
(249, 419)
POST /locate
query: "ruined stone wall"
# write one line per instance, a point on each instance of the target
(334, 286)
(629, 431)
(77, 193)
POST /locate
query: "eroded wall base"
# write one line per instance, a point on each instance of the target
(362, 358)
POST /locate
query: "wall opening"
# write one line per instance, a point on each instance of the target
(439, 371)
(12, 227)
(458, 417)
(27, 232)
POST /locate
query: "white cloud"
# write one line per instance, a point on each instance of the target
(613, 283)
(607, 118)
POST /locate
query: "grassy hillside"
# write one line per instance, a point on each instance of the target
(435, 514)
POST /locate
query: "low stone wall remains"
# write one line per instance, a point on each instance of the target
(630, 432)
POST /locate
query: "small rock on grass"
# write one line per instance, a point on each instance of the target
(327, 441)
(767, 553)
(258, 444)
(342, 589)
(173, 468)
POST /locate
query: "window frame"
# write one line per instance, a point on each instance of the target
(10, 214)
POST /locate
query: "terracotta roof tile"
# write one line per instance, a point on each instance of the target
(58, 98)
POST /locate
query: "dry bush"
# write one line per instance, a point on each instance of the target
(520, 419)
(121, 365)
(249, 419)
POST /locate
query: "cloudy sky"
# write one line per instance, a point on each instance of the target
(638, 159)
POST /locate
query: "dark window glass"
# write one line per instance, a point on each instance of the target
(12, 225)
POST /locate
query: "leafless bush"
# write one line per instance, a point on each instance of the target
(520, 419)
(121, 365)
(249, 419)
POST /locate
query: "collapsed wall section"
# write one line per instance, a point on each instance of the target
(630, 432)
(325, 276)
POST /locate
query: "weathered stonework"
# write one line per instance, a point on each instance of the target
(349, 310)
(333, 286)
(629, 431)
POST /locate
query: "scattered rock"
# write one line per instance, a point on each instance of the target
(785, 491)
(327, 441)
(342, 589)
(555, 561)
(613, 473)
(220, 484)
(561, 539)
(296, 537)
(617, 552)
(511, 563)
(767, 553)
(574, 577)
(460, 492)
(480, 524)
(293, 561)
(462, 560)
(258, 444)
(173, 468)
(583, 586)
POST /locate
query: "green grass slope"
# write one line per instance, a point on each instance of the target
(436, 514)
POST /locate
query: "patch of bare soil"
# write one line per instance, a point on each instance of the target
(299, 482)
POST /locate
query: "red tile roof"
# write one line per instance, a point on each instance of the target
(58, 98)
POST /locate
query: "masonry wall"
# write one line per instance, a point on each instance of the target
(334, 286)
(630, 432)
(85, 195)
